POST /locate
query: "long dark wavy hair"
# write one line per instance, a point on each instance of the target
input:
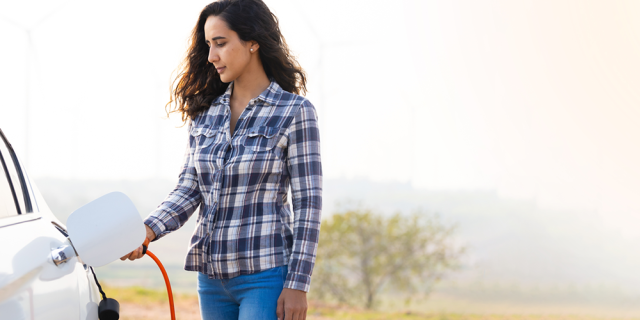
(198, 83)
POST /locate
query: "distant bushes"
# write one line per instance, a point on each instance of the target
(362, 252)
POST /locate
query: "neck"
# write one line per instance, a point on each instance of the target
(252, 82)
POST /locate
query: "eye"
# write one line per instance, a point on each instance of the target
(220, 45)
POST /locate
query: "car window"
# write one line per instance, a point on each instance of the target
(15, 178)
(8, 200)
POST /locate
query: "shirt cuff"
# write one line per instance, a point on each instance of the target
(157, 226)
(298, 281)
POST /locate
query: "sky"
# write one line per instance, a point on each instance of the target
(536, 100)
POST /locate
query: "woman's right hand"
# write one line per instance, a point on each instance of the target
(137, 253)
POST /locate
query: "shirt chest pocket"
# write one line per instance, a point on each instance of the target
(261, 138)
(204, 136)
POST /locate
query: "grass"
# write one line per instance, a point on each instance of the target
(320, 311)
(145, 296)
(149, 300)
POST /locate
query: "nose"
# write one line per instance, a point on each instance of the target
(213, 55)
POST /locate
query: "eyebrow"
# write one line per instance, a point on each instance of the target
(217, 38)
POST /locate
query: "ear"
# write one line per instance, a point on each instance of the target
(253, 46)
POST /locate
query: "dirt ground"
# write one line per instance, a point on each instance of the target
(144, 304)
(185, 310)
(136, 311)
(189, 310)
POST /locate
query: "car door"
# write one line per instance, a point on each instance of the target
(31, 286)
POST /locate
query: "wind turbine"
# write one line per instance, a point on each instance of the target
(30, 53)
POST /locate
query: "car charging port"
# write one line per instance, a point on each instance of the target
(62, 254)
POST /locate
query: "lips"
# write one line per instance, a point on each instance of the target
(221, 69)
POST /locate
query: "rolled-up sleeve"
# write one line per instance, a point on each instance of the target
(178, 206)
(305, 171)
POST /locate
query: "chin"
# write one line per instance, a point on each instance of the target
(226, 78)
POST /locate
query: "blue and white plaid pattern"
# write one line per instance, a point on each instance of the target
(245, 224)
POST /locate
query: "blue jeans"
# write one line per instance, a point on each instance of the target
(246, 297)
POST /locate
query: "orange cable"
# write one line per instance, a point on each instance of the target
(166, 279)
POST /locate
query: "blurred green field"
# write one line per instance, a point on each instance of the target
(143, 303)
(479, 300)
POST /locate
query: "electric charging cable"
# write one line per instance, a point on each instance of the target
(109, 309)
(145, 245)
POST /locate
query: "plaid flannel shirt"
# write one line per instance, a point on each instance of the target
(245, 224)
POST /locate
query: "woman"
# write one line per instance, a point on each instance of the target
(251, 138)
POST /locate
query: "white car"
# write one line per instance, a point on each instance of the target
(32, 286)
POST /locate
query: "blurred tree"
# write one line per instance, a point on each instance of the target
(361, 252)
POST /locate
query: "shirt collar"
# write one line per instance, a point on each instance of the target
(224, 98)
(270, 95)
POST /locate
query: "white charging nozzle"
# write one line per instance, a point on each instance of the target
(103, 230)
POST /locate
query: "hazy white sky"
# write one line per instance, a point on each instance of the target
(535, 99)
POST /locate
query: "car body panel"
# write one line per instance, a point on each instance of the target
(31, 285)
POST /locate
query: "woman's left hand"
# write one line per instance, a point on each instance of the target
(292, 305)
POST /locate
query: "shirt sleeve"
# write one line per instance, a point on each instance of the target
(305, 169)
(178, 206)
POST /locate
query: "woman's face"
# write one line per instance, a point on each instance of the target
(227, 52)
